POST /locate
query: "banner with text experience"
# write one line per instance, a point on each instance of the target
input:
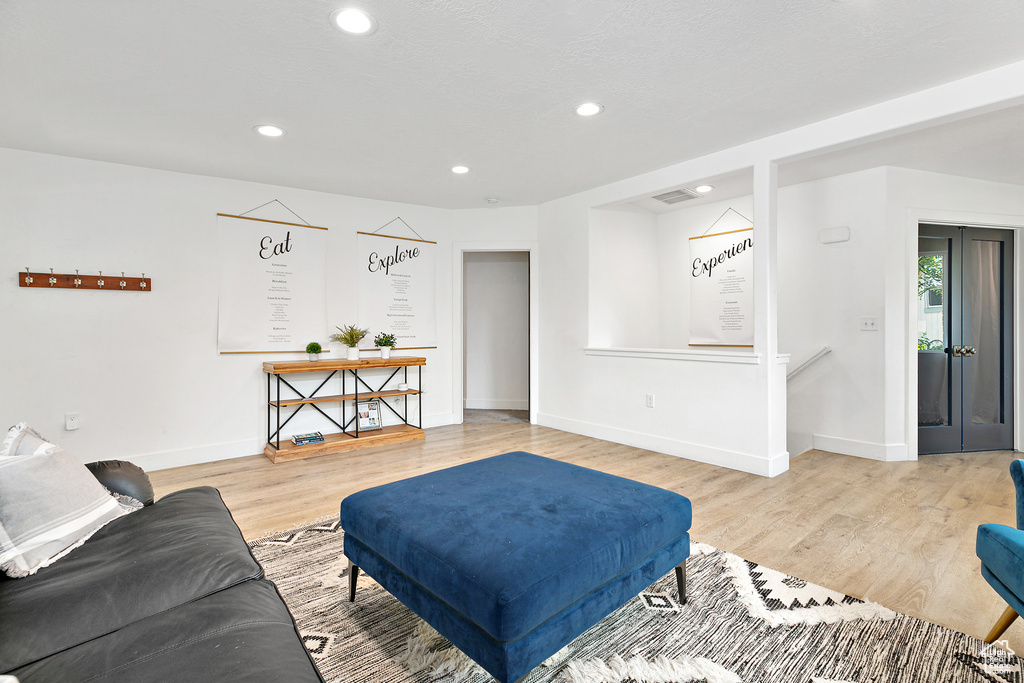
(722, 289)
(397, 288)
(271, 295)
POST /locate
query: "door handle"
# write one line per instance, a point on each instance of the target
(969, 351)
(957, 351)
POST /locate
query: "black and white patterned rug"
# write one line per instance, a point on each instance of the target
(742, 622)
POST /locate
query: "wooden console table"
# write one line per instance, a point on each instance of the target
(350, 437)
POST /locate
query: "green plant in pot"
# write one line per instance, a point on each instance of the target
(350, 336)
(385, 341)
(314, 349)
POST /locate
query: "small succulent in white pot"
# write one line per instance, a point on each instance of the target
(385, 341)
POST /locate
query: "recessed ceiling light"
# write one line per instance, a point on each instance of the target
(460, 169)
(353, 21)
(704, 189)
(589, 109)
(270, 131)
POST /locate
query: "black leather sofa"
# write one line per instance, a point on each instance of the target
(167, 593)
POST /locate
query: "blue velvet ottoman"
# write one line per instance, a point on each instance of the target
(510, 558)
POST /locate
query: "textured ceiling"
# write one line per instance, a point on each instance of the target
(489, 84)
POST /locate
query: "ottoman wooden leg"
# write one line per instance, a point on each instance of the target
(353, 577)
(681, 582)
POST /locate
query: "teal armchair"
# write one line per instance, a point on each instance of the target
(1001, 549)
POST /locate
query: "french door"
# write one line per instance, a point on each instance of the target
(965, 339)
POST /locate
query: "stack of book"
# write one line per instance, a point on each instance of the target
(312, 437)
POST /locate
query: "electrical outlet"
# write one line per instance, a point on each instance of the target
(869, 324)
(70, 421)
(650, 400)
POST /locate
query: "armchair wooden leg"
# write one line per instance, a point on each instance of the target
(1004, 623)
(353, 578)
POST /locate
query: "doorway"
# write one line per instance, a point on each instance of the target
(496, 336)
(965, 339)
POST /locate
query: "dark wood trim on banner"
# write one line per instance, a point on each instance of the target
(716, 234)
(393, 237)
(731, 346)
(240, 353)
(264, 220)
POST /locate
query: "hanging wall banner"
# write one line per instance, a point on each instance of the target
(721, 289)
(271, 285)
(397, 288)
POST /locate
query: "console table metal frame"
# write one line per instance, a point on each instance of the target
(349, 437)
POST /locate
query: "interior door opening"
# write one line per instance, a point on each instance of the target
(965, 339)
(496, 336)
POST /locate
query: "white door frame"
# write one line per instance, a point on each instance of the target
(458, 321)
(970, 219)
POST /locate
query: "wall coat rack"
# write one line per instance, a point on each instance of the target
(111, 283)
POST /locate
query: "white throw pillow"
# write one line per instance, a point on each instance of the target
(50, 503)
(23, 440)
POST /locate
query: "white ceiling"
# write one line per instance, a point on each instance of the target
(490, 84)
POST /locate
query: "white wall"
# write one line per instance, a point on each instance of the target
(709, 405)
(493, 225)
(913, 197)
(853, 401)
(143, 369)
(824, 291)
(623, 278)
(861, 398)
(497, 330)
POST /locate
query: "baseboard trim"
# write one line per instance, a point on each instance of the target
(496, 404)
(734, 460)
(438, 420)
(165, 460)
(894, 452)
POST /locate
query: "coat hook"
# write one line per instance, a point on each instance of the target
(99, 280)
(28, 277)
(53, 280)
(143, 283)
(123, 283)
(78, 280)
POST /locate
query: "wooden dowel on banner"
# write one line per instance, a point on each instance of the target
(394, 237)
(265, 220)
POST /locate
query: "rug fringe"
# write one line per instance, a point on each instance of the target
(428, 650)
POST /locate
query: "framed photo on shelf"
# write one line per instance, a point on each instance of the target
(368, 415)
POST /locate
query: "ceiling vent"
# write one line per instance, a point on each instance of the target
(676, 196)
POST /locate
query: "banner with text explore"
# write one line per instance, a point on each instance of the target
(271, 285)
(722, 289)
(397, 288)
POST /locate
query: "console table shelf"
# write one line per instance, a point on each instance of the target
(349, 437)
(346, 397)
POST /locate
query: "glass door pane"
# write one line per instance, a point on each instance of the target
(933, 329)
(984, 294)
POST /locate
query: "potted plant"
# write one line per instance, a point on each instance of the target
(313, 349)
(385, 341)
(350, 336)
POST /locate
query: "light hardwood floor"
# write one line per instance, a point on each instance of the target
(900, 534)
